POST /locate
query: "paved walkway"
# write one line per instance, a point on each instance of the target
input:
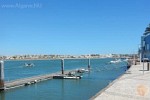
(133, 85)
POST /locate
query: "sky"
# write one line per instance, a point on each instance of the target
(72, 27)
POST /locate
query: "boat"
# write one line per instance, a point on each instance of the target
(126, 60)
(66, 77)
(82, 70)
(115, 61)
(70, 75)
(29, 64)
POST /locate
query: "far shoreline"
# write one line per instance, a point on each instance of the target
(49, 59)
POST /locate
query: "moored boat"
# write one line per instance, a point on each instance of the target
(66, 77)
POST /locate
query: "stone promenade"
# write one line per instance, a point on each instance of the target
(133, 85)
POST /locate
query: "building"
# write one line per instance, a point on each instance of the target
(145, 44)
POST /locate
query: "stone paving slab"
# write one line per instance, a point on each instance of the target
(133, 85)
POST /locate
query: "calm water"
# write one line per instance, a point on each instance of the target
(102, 73)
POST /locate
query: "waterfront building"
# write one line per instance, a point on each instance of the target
(145, 44)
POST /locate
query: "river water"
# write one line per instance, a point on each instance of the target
(101, 74)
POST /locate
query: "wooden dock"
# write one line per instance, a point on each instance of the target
(31, 80)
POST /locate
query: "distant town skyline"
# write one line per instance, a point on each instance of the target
(72, 27)
(44, 57)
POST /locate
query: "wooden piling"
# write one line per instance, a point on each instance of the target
(2, 87)
(89, 64)
(62, 66)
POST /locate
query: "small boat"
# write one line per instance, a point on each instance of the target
(82, 70)
(70, 75)
(115, 61)
(29, 64)
(126, 60)
(66, 77)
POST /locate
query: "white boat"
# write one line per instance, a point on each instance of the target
(82, 70)
(115, 61)
(126, 59)
(70, 75)
(29, 64)
(66, 77)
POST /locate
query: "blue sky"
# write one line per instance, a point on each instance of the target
(72, 26)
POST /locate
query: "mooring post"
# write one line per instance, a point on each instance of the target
(2, 87)
(89, 64)
(62, 66)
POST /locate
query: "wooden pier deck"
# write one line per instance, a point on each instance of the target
(31, 80)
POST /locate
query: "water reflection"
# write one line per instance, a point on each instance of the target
(2, 95)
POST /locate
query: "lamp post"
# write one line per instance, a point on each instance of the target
(143, 60)
(140, 53)
(143, 50)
